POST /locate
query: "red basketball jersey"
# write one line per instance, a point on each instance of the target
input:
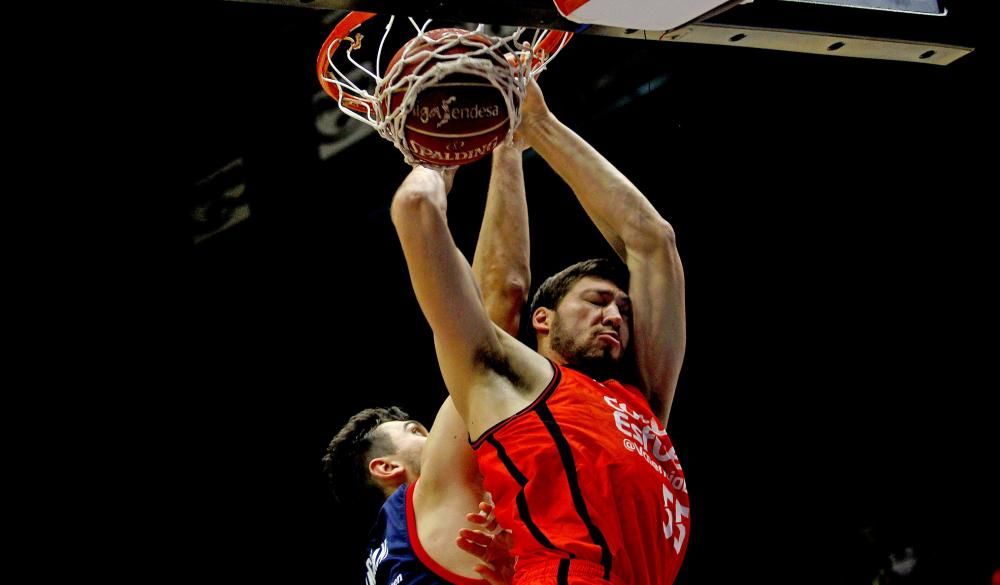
(590, 484)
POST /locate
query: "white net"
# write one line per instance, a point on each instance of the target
(503, 61)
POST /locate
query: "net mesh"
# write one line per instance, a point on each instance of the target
(504, 61)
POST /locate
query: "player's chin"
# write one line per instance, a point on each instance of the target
(609, 352)
(605, 355)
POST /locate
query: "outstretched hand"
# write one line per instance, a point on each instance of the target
(490, 546)
(425, 175)
(533, 110)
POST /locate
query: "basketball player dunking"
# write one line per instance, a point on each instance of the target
(579, 463)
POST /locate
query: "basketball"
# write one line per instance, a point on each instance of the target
(459, 119)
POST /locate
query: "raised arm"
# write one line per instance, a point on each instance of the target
(500, 264)
(501, 267)
(638, 234)
(472, 353)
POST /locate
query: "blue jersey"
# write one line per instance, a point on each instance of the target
(395, 555)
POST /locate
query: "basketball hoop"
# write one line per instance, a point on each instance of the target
(419, 70)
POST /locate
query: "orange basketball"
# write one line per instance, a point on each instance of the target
(458, 120)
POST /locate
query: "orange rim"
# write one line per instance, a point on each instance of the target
(340, 33)
(330, 45)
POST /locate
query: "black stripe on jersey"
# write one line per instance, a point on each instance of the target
(562, 578)
(566, 455)
(556, 377)
(522, 502)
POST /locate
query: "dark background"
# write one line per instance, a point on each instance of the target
(832, 218)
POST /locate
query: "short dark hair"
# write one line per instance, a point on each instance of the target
(555, 287)
(354, 446)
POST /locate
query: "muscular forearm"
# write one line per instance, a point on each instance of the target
(419, 214)
(620, 211)
(501, 259)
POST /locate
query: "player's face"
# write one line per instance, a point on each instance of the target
(409, 438)
(592, 322)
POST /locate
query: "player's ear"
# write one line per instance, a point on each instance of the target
(541, 320)
(386, 469)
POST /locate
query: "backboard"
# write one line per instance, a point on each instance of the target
(920, 31)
